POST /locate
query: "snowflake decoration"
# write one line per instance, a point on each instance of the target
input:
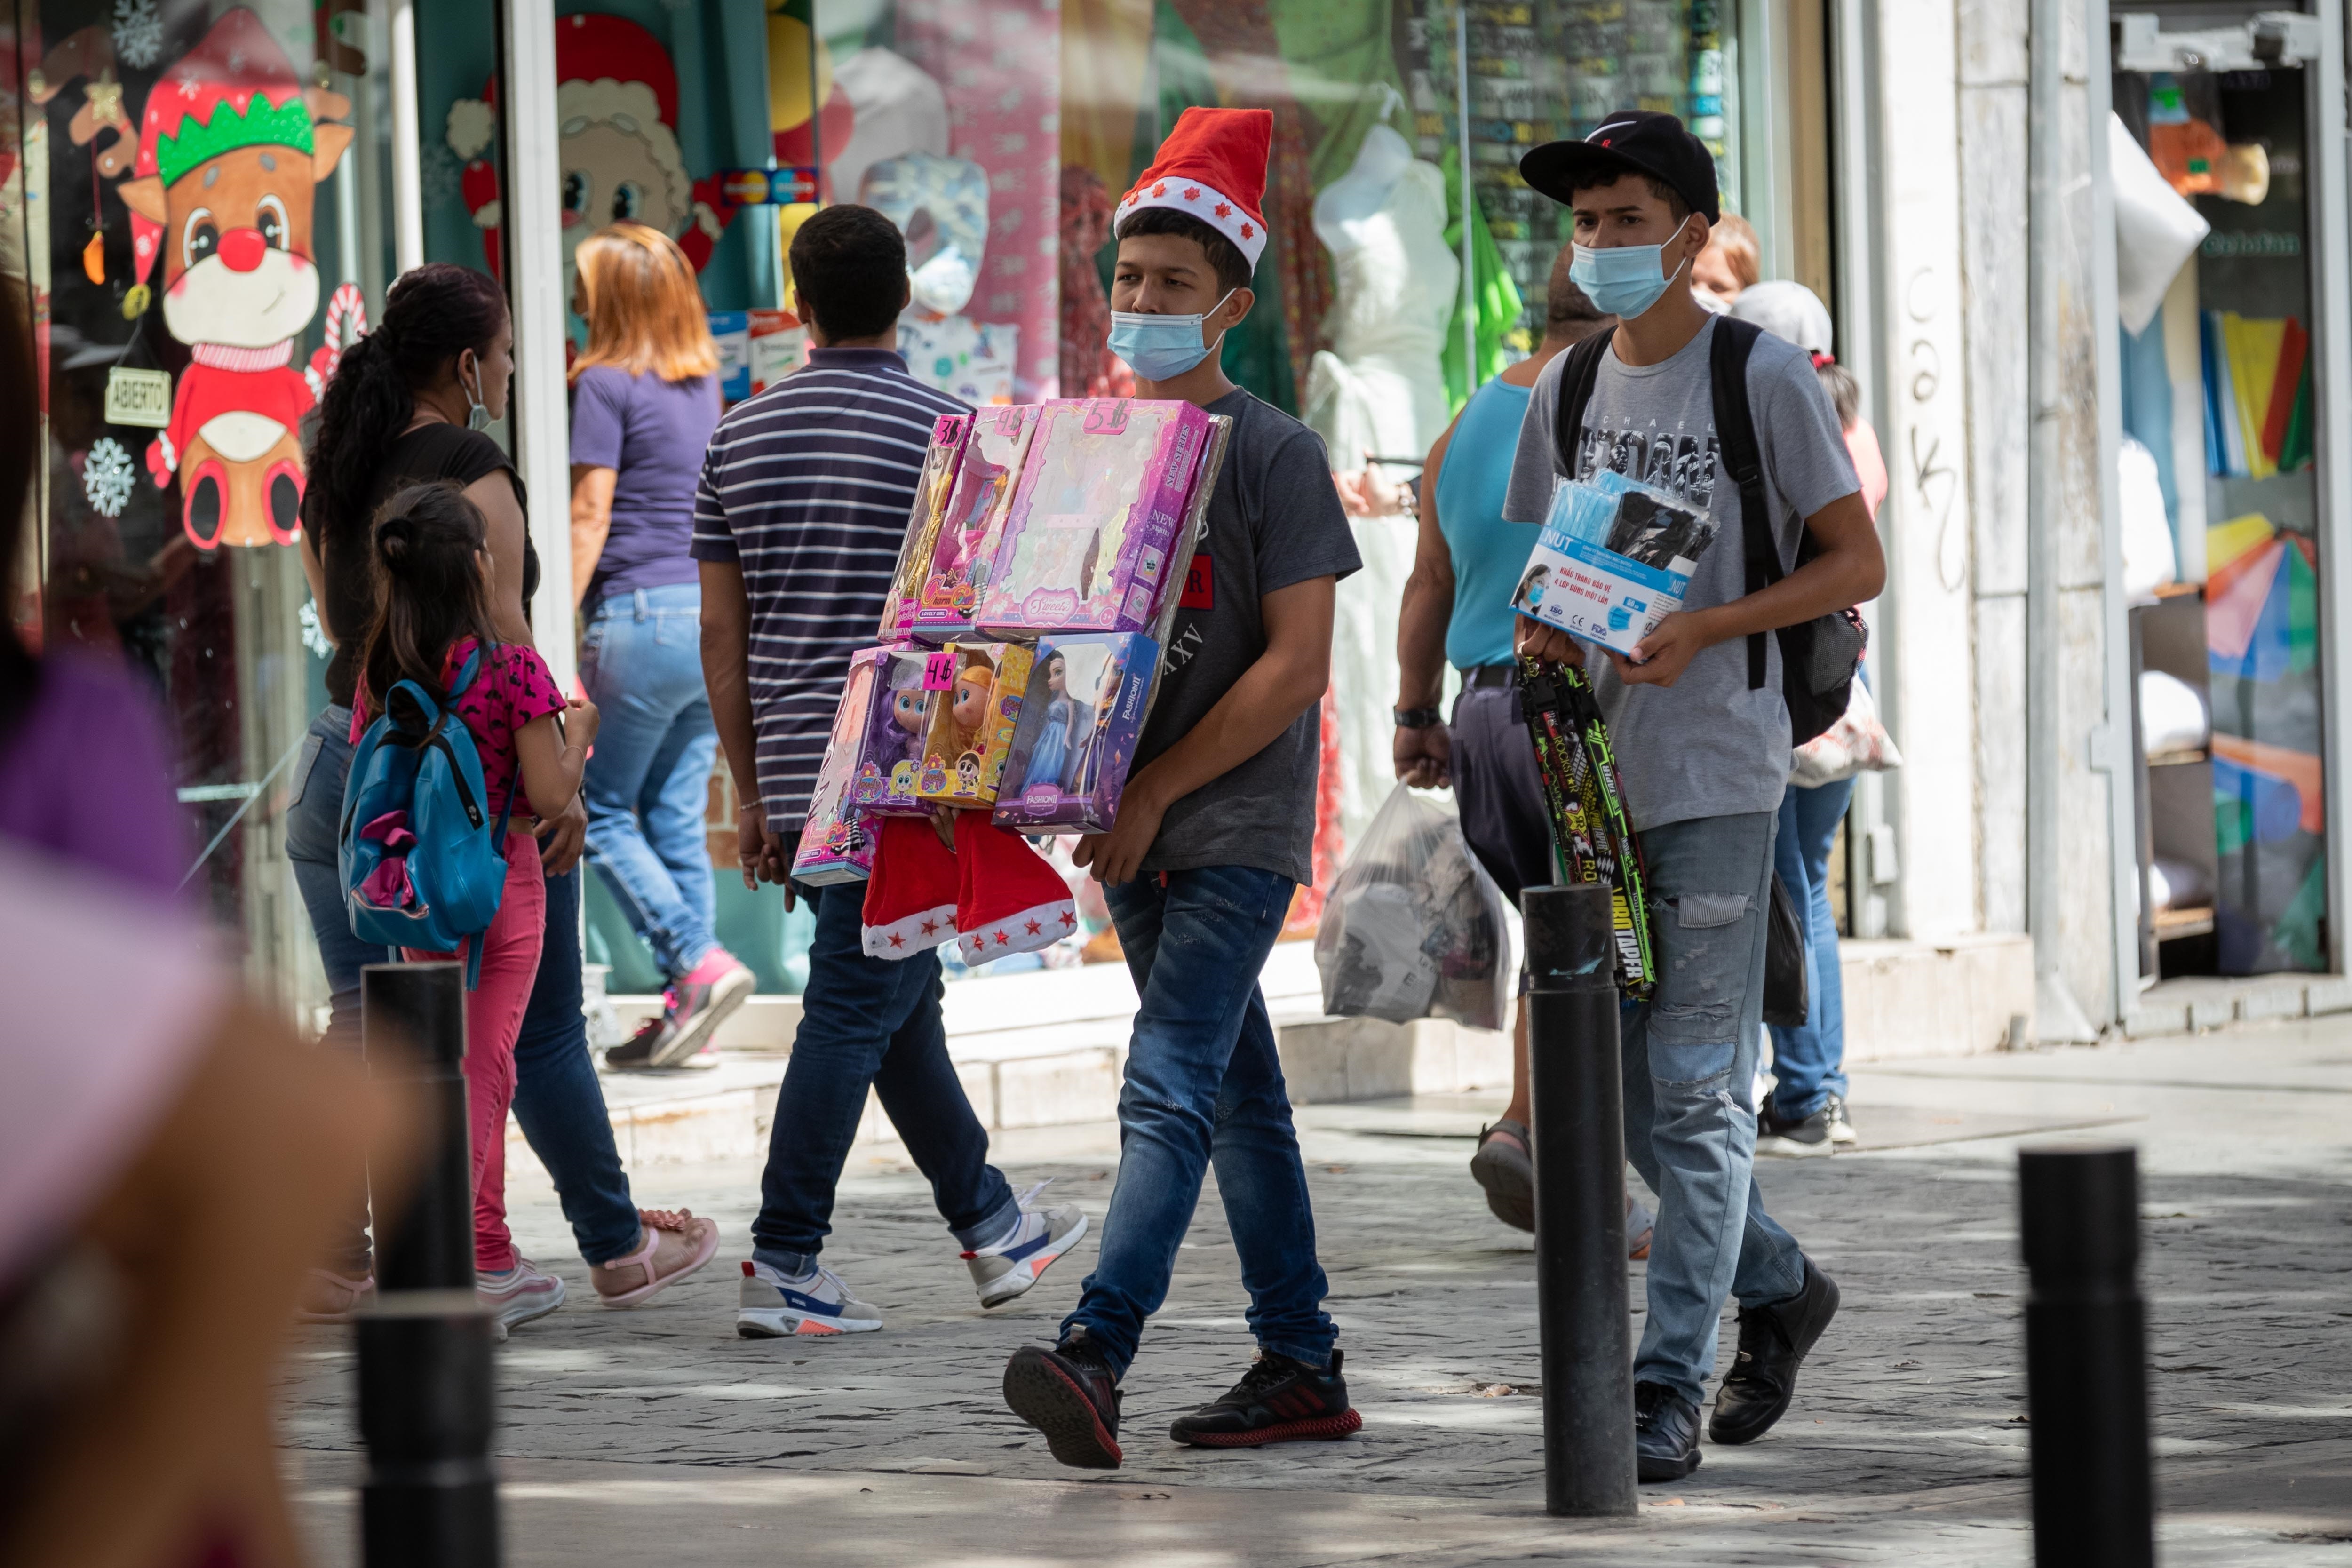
(138, 33)
(314, 636)
(107, 477)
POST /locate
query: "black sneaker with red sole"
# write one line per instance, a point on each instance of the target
(1278, 1400)
(1068, 1393)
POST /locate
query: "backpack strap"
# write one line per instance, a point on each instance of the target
(1577, 378)
(1735, 433)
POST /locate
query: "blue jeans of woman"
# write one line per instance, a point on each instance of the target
(1205, 1087)
(648, 781)
(557, 1098)
(1689, 1055)
(1809, 1061)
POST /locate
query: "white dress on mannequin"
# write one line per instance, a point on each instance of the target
(1380, 389)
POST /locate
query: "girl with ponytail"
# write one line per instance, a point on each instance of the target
(432, 568)
(407, 405)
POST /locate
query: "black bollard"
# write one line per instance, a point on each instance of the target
(1578, 1144)
(430, 1499)
(2086, 1358)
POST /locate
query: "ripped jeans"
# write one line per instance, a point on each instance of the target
(1690, 1068)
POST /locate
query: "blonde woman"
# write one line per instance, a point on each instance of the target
(645, 398)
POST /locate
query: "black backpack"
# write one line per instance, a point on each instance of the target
(1817, 658)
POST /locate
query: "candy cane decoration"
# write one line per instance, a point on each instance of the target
(346, 307)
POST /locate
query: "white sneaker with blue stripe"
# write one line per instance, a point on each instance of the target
(772, 1307)
(1008, 1268)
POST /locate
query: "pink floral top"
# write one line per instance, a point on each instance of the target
(513, 687)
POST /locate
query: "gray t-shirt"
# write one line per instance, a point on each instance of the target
(1706, 745)
(1274, 520)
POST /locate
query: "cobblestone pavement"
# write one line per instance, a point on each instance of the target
(659, 1430)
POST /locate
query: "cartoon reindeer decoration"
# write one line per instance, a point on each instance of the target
(230, 149)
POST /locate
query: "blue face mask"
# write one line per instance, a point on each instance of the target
(1623, 280)
(1161, 347)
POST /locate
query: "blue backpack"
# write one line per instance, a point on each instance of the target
(421, 865)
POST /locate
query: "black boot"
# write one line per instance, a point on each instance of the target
(1665, 1433)
(1773, 1343)
(1070, 1395)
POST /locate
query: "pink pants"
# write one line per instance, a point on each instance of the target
(494, 1010)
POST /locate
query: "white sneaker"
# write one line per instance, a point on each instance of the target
(519, 1294)
(1009, 1268)
(1841, 1125)
(772, 1307)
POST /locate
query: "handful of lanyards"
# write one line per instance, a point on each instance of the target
(1591, 835)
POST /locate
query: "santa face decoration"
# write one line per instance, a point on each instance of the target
(231, 152)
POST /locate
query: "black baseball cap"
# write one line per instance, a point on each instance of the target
(1635, 140)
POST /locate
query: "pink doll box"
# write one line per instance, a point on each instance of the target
(838, 835)
(1087, 541)
(931, 491)
(1090, 693)
(956, 575)
(889, 753)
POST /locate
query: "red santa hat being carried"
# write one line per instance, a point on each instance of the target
(1213, 167)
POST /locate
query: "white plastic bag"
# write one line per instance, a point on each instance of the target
(1858, 744)
(1413, 928)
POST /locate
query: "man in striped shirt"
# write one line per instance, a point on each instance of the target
(803, 502)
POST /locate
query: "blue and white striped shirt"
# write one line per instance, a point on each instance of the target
(808, 487)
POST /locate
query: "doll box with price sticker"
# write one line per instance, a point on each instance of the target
(931, 491)
(1099, 510)
(979, 687)
(887, 758)
(838, 834)
(1614, 559)
(964, 548)
(1088, 695)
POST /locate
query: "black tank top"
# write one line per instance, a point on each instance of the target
(436, 451)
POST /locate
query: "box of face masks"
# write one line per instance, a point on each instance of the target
(1614, 560)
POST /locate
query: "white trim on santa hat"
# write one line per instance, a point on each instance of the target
(917, 932)
(1024, 930)
(1202, 201)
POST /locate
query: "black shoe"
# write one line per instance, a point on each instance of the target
(1278, 1400)
(1665, 1433)
(1772, 1342)
(1069, 1395)
(648, 1048)
(1810, 1135)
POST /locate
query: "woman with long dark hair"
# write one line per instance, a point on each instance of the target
(407, 405)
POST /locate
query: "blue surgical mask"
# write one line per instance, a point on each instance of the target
(1161, 347)
(1623, 280)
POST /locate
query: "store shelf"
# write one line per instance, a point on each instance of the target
(2171, 925)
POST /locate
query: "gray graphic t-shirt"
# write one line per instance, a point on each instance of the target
(1708, 745)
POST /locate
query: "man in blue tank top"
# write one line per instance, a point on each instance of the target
(1457, 611)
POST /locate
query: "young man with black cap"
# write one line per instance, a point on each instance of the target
(1702, 736)
(1214, 833)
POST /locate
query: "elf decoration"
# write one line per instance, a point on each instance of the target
(617, 99)
(231, 148)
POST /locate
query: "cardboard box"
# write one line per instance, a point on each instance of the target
(1100, 506)
(966, 545)
(931, 490)
(973, 722)
(777, 345)
(889, 753)
(1088, 695)
(837, 836)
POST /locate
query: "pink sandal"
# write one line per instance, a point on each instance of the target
(676, 1245)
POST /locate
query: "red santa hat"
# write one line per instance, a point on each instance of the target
(1213, 167)
(993, 893)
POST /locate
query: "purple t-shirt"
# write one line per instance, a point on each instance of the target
(86, 774)
(651, 432)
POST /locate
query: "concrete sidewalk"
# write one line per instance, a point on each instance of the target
(658, 1434)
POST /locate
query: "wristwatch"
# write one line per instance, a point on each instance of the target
(1419, 718)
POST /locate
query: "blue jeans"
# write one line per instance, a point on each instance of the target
(1204, 1086)
(1809, 1062)
(648, 781)
(869, 1021)
(557, 1098)
(1689, 1062)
